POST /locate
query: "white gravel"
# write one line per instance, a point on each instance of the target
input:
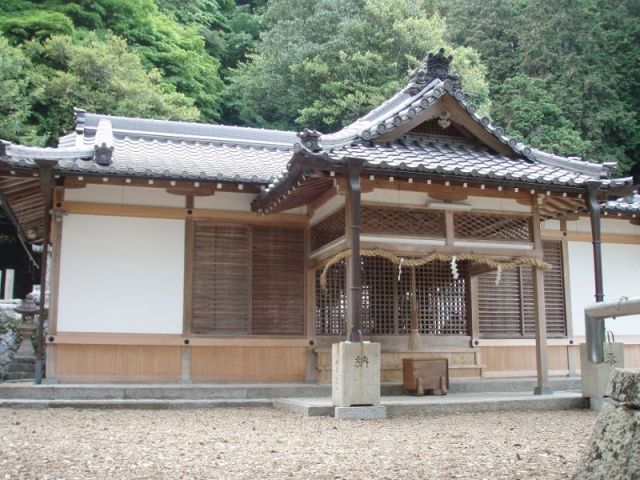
(255, 443)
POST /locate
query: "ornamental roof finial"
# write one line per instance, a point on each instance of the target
(434, 65)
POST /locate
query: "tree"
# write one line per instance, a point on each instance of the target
(323, 63)
(20, 86)
(99, 74)
(176, 50)
(581, 57)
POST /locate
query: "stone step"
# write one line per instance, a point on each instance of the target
(23, 361)
(9, 376)
(135, 404)
(450, 404)
(30, 391)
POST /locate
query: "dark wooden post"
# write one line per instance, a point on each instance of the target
(542, 361)
(352, 227)
(46, 185)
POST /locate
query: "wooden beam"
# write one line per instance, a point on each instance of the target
(230, 216)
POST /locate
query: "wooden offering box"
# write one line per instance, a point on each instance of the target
(430, 376)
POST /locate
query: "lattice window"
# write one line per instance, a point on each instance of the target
(331, 303)
(492, 227)
(379, 290)
(328, 230)
(386, 302)
(507, 310)
(400, 221)
(442, 300)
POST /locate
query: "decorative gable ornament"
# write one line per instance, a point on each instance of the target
(433, 66)
(310, 139)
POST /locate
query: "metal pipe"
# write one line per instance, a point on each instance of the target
(593, 204)
(594, 316)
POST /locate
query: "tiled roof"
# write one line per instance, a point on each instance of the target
(412, 154)
(630, 205)
(165, 149)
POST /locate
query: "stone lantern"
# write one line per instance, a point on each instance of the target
(28, 309)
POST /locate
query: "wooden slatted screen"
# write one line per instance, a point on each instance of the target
(554, 297)
(247, 280)
(278, 281)
(507, 310)
(221, 276)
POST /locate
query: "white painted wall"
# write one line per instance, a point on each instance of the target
(240, 202)
(124, 195)
(621, 269)
(121, 275)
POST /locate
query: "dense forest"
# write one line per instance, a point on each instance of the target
(561, 75)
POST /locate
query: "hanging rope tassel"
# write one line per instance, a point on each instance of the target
(400, 268)
(454, 268)
(499, 275)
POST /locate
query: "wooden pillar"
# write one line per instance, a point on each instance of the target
(352, 229)
(45, 168)
(542, 361)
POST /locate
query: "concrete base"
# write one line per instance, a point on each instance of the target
(401, 406)
(595, 377)
(361, 413)
(542, 391)
(355, 374)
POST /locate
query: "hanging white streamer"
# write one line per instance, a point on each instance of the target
(499, 274)
(454, 268)
(400, 268)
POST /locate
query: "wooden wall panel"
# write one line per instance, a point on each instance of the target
(520, 360)
(248, 364)
(119, 363)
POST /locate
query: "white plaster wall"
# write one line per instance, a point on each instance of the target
(608, 225)
(621, 267)
(124, 195)
(240, 202)
(121, 275)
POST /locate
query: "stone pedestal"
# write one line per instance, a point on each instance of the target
(355, 374)
(595, 377)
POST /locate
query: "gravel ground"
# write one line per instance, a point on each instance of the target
(255, 443)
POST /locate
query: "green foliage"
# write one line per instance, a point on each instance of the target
(529, 113)
(581, 56)
(35, 24)
(102, 75)
(176, 50)
(20, 87)
(323, 63)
